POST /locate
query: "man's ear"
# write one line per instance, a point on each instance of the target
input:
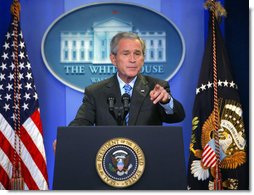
(113, 59)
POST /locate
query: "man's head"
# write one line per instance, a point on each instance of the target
(125, 35)
(127, 51)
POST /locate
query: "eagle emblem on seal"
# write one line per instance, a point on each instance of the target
(231, 140)
(120, 162)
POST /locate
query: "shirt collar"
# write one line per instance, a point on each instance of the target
(122, 83)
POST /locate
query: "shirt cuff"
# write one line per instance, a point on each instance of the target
(169, 106)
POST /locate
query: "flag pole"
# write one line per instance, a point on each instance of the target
(217, 179)
(17, 180)
(217, 11)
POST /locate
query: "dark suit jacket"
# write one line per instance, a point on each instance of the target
(95, 108)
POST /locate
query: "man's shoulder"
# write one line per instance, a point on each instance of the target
(154, 80)
(100, 84)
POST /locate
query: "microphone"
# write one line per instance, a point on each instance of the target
(111, 102)
(126, 102)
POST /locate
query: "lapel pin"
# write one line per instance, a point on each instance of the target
(142, 91)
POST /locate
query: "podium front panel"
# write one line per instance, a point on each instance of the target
(77, 148)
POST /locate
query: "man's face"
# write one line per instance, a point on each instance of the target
(129, 59)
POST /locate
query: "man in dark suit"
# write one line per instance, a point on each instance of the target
(150, 102)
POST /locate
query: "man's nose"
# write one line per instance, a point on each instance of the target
(132, 57)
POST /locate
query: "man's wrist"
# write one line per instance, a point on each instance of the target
(168, 100)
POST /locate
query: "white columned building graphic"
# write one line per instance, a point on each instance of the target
(93, 45)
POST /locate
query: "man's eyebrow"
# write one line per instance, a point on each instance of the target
(129, 51)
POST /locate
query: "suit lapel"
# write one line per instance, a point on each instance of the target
(112, 88)
(140, 91)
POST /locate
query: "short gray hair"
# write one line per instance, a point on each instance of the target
(125, 35)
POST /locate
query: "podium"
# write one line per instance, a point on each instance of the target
(77, 147)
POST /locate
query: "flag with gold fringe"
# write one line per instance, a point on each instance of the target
(218, 148)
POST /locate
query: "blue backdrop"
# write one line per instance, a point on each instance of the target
(59, 103)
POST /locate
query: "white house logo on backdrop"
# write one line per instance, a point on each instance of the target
(93, 46)
(76, 47)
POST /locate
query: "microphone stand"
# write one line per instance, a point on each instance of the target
(120, 119)
(126, 106)
(119, 113)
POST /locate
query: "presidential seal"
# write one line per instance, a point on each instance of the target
(120, 162)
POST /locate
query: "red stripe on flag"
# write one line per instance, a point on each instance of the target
(208, 157)
(37, 120)
(212, 162)
(9, 151)
(206, 147)
(207, 153)
(4, 178)
(34, 152)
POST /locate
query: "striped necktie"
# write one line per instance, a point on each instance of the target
(127, 89)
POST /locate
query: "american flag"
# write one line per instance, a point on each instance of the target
(31, 152)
